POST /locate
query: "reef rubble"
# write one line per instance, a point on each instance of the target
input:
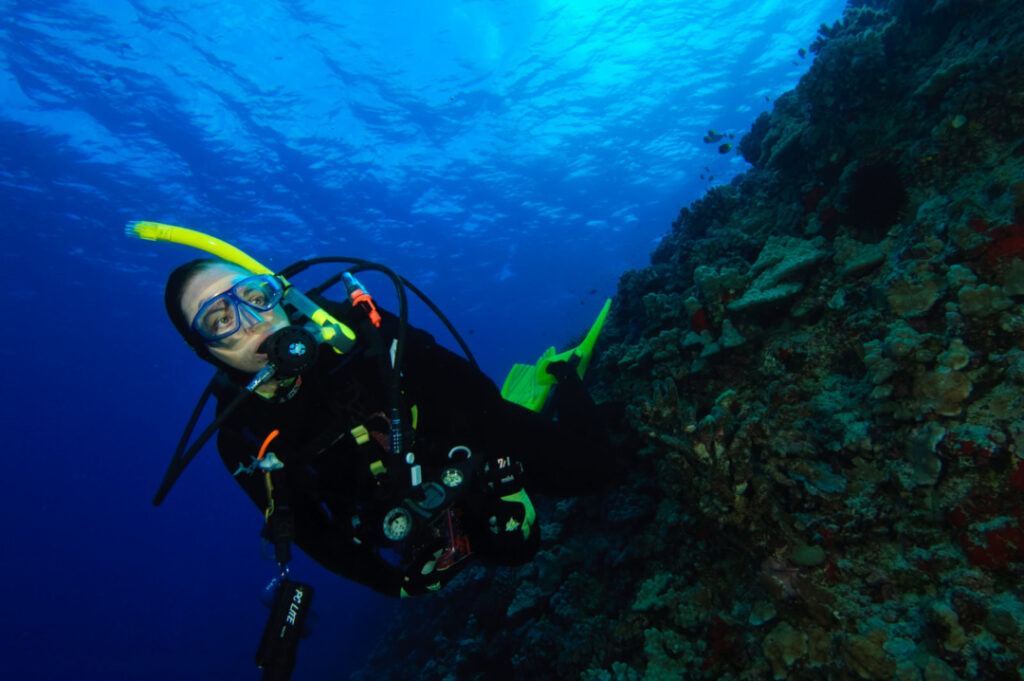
(824, 368)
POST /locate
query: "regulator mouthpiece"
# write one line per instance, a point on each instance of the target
(291, 351)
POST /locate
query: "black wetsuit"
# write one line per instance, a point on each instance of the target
(343, 485)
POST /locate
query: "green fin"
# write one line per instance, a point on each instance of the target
(528, 385)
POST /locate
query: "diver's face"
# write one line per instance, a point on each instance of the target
(239, 350)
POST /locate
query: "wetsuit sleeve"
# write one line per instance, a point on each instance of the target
(570, 456)
(316, 533)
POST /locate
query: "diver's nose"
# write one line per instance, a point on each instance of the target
(248, 317)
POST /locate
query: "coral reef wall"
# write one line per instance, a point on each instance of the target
(824, 369)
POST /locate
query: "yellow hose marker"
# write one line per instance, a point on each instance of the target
(329, 327)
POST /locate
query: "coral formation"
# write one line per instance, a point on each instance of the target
(824, 365)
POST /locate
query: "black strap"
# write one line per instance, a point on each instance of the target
(279, 528)
(181, 459)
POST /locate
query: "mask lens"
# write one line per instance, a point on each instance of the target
(218, 318)
(260, 293)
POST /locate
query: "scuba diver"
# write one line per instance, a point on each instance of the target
(385, 457)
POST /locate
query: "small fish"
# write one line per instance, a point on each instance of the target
(712, 137)
(725, 148)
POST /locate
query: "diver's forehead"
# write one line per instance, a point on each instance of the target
(210, 282)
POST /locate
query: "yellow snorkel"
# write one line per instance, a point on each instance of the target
(327, 328)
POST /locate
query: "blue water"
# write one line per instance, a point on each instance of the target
(510, 158)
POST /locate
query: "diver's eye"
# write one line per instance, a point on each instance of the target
(219, 318)
(221, 322)
(257, 298)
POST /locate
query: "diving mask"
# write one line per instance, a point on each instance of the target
(221, 316)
